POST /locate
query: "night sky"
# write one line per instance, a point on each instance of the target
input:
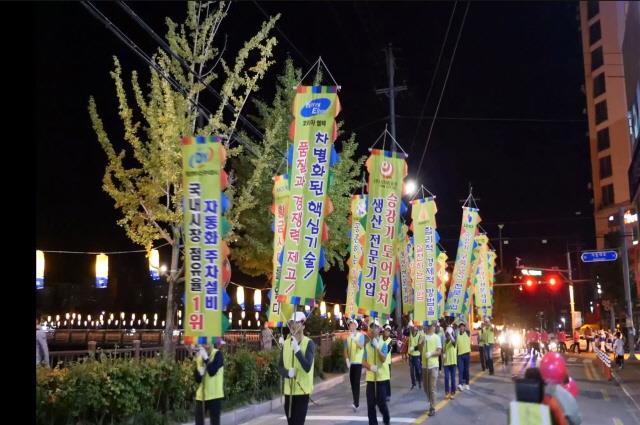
(510, 122)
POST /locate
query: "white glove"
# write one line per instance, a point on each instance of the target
(374, 342)
(348, 363)
(428, 354)
(373, 368)
(203, 354)
(281, 340)
(294, 345)
(201, 371)
(291, 373)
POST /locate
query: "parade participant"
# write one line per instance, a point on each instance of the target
(440, 333)
(588, 335)
(618, 349)
(415, 366)
(562, 341)
(430, 348)
(296, 366)
(42, 348)
(386, 338)
(353, 352)
(483, 362)
(375, 362)
(544, 337)
(209, 375)
(463, 343)
(575, 346)
(450, 363)
(489, 340)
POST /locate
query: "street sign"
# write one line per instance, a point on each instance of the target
(597, 256)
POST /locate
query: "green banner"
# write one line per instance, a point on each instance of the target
(443, 279)
(458, 296)
(480, 283)
(313, 133)
(278, 313)
(423, 216)
(491, 268)
(386, 173)
(405, 258)
(358, 220)
(205, 252)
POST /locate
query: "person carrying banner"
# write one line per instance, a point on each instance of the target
(430, 348)
(386, 338)
(209, 374)
(375, 362)
(483, 362)
(450, 363)
(296, 366)
(415, 364)
(353, 352)
(488, 339)
(463, 343)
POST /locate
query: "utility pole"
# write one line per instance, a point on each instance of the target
(391, 93)
(571, 300)
(627, 287)
(500, 226)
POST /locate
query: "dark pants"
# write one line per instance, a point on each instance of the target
(463, 368)
(377, 396)
(575, 346)
(488, 357)
(589, 341)
(355, 372)
(389, 385)
(562, 346)
(213, 406)
(440, 362)
(483, 363)
(299, 406)
(450, 379)
(415, 368)
(619, 361)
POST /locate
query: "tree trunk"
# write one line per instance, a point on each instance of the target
(172, 302)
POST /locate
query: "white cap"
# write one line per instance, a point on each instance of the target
(374, 321)
(298, 316)
(410, 324)
(449, 330)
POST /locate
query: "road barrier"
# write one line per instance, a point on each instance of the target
(605, 363)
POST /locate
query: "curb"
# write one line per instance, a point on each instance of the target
(620, 382)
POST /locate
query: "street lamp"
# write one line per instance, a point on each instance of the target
(410, 187)
(500, 226)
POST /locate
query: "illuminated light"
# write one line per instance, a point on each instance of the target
(630, 218)
(307, 308)
(531, 272)
(257, 300)
(611, 218)
(529, 283)
(635, 242)
(505, 242)
(163, 269)
(249, 323)
(520, 288)
(102, 271)
(410, 187)
(552, 281)
(323, 309)
(242, 314)
(239, 322)
(257, 315)
(154, 264)
(240, 296)
(336, 311)
(599, 291)
(39, 269)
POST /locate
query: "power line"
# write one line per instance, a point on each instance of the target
(433, 78)
(506, 119)
(444, 86)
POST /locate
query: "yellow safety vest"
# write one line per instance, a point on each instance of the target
(413, 342)
(450, 354)
(480, 338)
(302, 382)
(211, 387)
(464, 343)
(355, 352)
(373, 359)
(388, 342)
(487, 336)
(430, 346)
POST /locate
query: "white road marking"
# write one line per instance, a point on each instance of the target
(353, 419)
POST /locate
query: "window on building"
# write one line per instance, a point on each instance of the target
(592, 9)
(601, 112)
(605, 167)
(607, 195)
(597, 58)
(595, 33)
(599, 85)
(603, 139)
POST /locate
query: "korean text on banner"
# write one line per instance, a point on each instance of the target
(405, 258)
(423, 215)
(358, 219)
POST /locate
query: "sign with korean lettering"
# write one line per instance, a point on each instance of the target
(358, 234)
(423, 216)
(405, 258)
(205, 252)
(313, 132)
(278, 313)
(459, 285)
(480, 275)
(386, 173)
(443, 279)
(491, 277)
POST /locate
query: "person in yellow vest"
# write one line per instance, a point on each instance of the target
(209, 375)
(415, 366)
(483, 362)
(386, 338)
(296, 366)
(430, 348)
(353, 353)
(464, 356)
(450, 363)
(488, 340)
(375, 362)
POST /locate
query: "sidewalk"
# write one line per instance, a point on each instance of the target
(629, 379)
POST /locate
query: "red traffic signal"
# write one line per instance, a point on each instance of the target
(529, 282)
(553, 280)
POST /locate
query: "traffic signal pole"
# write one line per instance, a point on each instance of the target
(571, 300)
(631, 333)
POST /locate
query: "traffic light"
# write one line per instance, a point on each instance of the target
(553, 280)
(529, 282)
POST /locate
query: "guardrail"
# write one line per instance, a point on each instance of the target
(605, 362)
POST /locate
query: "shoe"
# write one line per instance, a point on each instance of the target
(453, 395)
(354, 407)
(466, 387)
(432, 412)
(412, 387)
(460, 387)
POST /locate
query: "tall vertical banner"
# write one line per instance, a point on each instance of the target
(386, 173)
(443, 278)
(279, 210)
(423, 215)
(480, 276)
(405, 257)
(458, 289)
(491, 268)
(313, 132)
(358, 235)
(205, 252)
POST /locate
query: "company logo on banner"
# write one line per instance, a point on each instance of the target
(205, 251)
(358, 217)
(313, 132)
(458, 295)
(423, 213)
(383, 224)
